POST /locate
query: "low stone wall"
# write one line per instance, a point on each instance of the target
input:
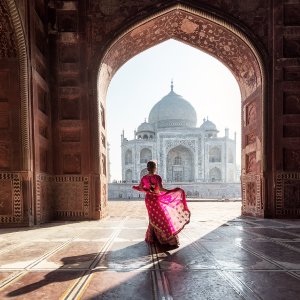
(192, 189)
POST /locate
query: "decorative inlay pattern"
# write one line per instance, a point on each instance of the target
(44, 198)
(12, 181)
(5, 155)
(4, 86)
(71, 196)
(8, 45)
(169, 144)
(251, 138)
(288, 194)
(70, 135)
(251, 112)
(251, 162)
(251, 194)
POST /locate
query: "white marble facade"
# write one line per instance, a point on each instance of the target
(184, 152)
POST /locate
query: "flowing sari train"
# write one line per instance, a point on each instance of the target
(168, 214)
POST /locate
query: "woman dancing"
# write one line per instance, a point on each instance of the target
(167, 209)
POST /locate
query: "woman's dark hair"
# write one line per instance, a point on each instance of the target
(151, 165)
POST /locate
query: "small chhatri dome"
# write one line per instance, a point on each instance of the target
(145, 127)
(208, 125)
(173, 111)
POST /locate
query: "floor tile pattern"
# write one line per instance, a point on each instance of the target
(222, 255)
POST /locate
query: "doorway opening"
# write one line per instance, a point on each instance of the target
(220, 39)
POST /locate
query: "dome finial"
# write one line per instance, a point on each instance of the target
(172, 85)
(145, 120)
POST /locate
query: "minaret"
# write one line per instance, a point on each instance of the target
(108, 163)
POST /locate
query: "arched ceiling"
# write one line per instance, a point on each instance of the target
(194, 31)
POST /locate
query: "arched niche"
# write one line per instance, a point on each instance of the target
(128, 175)
(213, 34)
(215, 154)
(215, 175)
(230, 156)
(143, 173)
(145, 155)
(180, 164)
(128, 157)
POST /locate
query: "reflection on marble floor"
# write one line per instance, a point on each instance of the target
(222, 256)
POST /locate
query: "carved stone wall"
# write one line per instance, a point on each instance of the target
(66, 122)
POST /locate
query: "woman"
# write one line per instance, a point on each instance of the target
(167, 209)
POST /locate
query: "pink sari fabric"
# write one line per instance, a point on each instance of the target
(168, 212)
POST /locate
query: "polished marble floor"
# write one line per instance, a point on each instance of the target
(222, 256)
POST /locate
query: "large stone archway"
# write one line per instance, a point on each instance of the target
(53, 138)
(224, 41)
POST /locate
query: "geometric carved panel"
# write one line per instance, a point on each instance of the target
(287, 193)
(251, 193)
(70, 108)
(68, 53)
(10, 198)
(40, 40)
(104, 164)
(70, 135)
(291, 159)
(291, 103)
(42, 99)
(44, 202)
(103, 140)
(71, 196)
(5, 156)
(4, 86)
(291, 130)
(43, 130)
(8, 46)
(251, 162)
(102, 115)
(4, 120)
(292, 15)
(251, 138)
(72, 163)
(68, 79)
(291, 73)
(251, 112)
(291, 47)
(43, 159)
(67, 21)
(40, 68)
(6, 199)
(39, 8)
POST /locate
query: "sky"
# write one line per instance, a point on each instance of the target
(146, 78)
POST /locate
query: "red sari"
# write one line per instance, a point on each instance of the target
(168, 212)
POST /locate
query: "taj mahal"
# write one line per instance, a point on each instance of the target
(183, 151)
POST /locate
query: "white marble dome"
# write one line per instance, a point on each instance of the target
(208, 126)
(144, 127)
(173, 111)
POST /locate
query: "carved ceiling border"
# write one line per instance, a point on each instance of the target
(210, 17)
(24, 83)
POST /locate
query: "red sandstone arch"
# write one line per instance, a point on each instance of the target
(221, 39)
